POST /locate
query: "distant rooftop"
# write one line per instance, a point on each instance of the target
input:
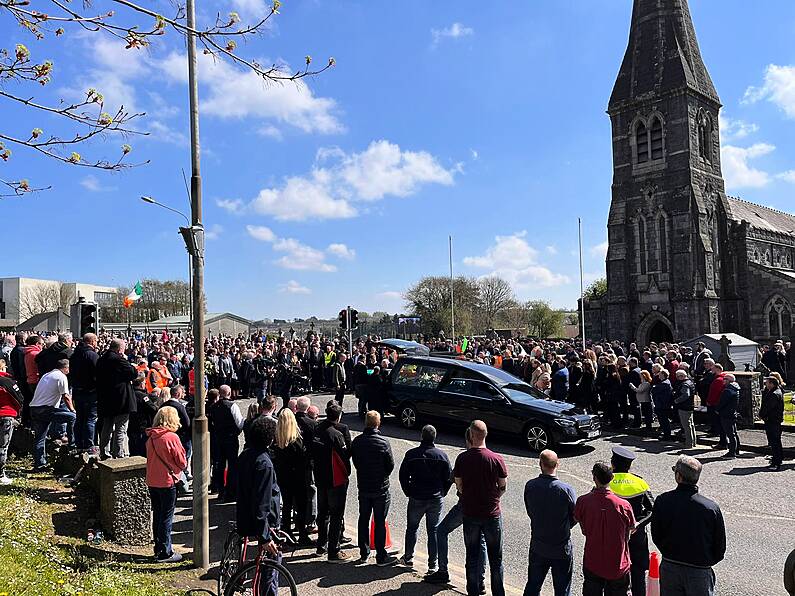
(761, 217)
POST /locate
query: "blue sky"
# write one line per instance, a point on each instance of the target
(484, 121)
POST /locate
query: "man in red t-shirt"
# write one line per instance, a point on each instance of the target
(607, 522)
(481, 478)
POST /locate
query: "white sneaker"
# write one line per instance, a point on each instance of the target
(5, 480)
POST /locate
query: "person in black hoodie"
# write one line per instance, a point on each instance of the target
(141, 419)
(259, 498)
(227, 422)
(727, 411)
(772, 413)
(425, 477)
(83, 375)
(372, 457)
(331, 456)
(115, 398)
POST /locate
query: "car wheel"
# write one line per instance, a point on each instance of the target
(408, 416)
(537, 437)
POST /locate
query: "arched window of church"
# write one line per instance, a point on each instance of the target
(656, 138)
(663, 236)
(642, 250)
(642, 142)
(708, 138)
(779, 317)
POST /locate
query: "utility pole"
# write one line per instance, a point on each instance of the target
(582, 285)
(201, 446)
(452, 300)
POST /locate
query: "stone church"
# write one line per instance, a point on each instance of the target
(684, 258)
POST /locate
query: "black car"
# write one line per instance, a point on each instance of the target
(459, 391)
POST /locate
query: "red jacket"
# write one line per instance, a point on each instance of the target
(165, 458)
(9, 406)
(31, 368)
(715, 389)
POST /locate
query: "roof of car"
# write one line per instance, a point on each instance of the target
(485, 369)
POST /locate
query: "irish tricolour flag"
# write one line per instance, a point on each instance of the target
(133, 296)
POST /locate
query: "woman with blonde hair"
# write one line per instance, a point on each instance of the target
(291, 460)
(165, 461)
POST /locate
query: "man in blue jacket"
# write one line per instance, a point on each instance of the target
(425, 477)
(373, 460)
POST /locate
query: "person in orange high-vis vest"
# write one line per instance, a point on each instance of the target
(155, 379)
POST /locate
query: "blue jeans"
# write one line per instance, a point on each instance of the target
(537, 570)
(42, 417)
(453, 520)
(163, 503)
(378, 506)
(475, 530)
(86, 423)
(432, 510)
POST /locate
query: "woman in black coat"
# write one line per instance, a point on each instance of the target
(291, 460)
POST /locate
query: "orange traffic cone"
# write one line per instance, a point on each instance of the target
(653, 581)
(388, 544)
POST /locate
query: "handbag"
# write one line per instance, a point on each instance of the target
(179, 483)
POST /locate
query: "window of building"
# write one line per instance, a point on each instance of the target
(642, 252)
(705, 136)
(656, 139)
(779, 316)
(663, 234)
(642, 142)
(105, 298)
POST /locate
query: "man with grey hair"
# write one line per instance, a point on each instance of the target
(688, 529)
(684, 403)
(425, 477)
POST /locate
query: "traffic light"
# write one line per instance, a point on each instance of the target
(343, 318)
(354, 318)
(88, 319)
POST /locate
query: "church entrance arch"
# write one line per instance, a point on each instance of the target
(655, 327)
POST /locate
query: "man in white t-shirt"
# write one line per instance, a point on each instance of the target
(46, 408)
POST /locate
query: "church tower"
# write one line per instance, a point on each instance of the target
(667, 226)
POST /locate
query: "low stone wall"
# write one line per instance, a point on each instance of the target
(125, 510)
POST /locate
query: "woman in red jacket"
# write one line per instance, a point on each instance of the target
(165, 460)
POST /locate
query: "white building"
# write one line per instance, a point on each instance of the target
(24, 297)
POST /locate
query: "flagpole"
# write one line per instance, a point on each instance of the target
(582, 285)
(452, 301)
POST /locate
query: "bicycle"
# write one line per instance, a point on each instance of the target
(260, 577)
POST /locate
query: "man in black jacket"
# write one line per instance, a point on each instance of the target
(727, 411)
(115, 398)
(307, 426)
(227, 424)
(372, 457)
(684, 403)
(83, 375)
(141, 419)
(425, 477)
(331, 457)
(772, 413)
(688, 529)
(48, 358)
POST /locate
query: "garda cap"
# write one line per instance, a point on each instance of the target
(623, 453)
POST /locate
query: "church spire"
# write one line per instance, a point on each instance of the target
(662, 55)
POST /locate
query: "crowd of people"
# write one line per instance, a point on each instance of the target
(117, 396)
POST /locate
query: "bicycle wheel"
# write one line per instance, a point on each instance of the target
(230, 560)
(261, 580)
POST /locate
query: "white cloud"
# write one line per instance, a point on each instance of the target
(235, 93)
(270, 132)
(788, 176)
(778, 88)
(552, 249)
(454, 31)
(293, 287)
(301, 257)
(160, 131)
(214, 232)
(512, 258)
(738, 172)
(251, 10)
(231, 205)
(338, 180)
(93, 184)
(341, 251)
(475, 155)
(261, 233)
(600, 250)
(390, 295)
(732, 130)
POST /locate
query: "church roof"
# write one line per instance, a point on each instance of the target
(662, 54)
(761, 217)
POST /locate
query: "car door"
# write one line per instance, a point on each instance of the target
(494, 409)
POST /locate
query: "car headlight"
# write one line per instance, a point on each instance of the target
(567, 425)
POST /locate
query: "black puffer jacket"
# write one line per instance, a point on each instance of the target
(115, 393)
(372, 458)
(426, 472)
(772, 410)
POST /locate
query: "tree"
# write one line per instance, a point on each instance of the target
(596, 290)
(429, 299)
(543, 320)
(73, 123)
(44, 297)
(495, 296)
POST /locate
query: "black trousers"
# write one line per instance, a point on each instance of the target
(294, 507)
(773, 432)
(339, 395)
(729, 426)
(598, 586)
(330, 512)
(226, 453)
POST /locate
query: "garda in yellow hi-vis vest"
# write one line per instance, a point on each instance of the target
(627, 485)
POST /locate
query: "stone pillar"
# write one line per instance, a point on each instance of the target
(750, 397)
(125, 510)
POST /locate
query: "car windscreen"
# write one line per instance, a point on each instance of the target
(497, 375)
(522, 391)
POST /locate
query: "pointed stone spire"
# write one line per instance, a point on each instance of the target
(662, 55)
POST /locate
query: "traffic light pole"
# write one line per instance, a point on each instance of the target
(350, 331)
(201, 443)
